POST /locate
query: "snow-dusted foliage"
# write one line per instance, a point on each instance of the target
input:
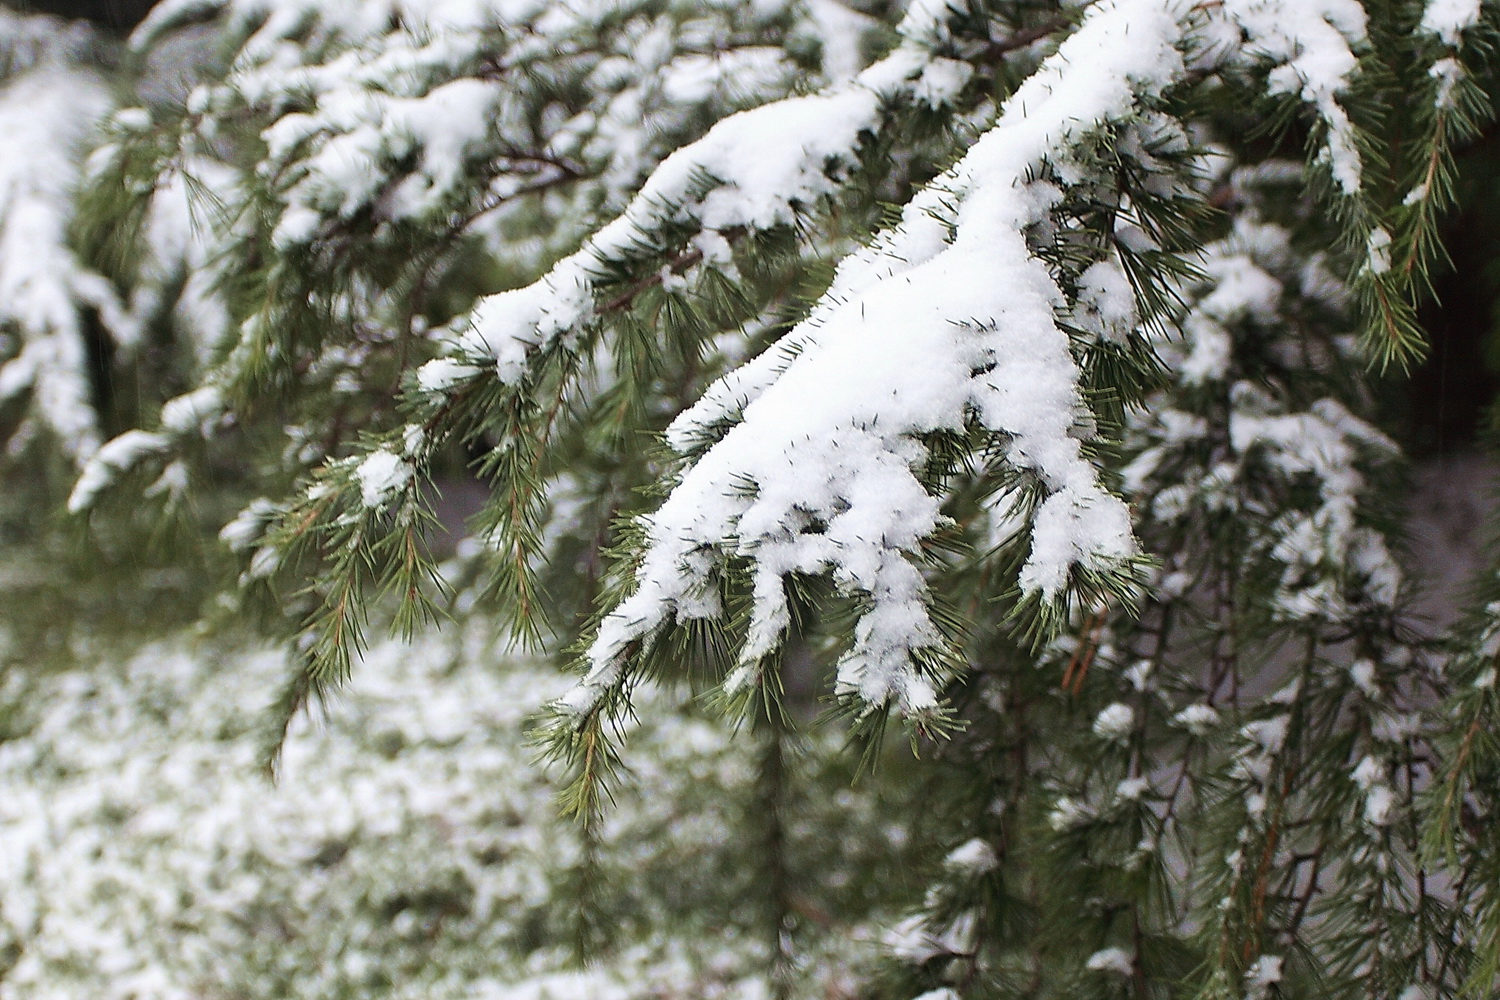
(1257, 746)
(980, 364)
(50, 103)
(410, 849)
(405, 156)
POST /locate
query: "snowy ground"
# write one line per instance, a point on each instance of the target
(410, 850)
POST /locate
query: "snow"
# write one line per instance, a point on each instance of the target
(442, 373)
(1365, 678)
(193, 412)
(1115, 722)
(1449, 19)
(839, 29)
(1369, 773)
(1262, 974)
(917, 939)
(411, 848)
(1268, 734)
(973, 857)
(1106, 302)
(768, 162)
(1447, 72)
(247, 527)
(382, 474)
(1312, 47)
(1378, 251)
(47, 112)
(1380, 800)
(1332, 556)
(1068, 814)
(750, 70)
(1116, 960)
(947, 314)
(104, 466)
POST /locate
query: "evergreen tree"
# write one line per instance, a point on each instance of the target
(1016, 372)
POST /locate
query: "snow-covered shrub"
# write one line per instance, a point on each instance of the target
(411, 847)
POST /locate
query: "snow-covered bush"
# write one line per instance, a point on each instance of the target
(411, 848)
(1009, 370)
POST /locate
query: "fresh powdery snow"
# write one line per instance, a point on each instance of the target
(119, 455)
(766, 163)
(945, 315)
(410, 850)
(1448, 19)
(1312, 46)
(47, 111)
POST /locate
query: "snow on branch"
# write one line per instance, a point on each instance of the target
(948, 318)
(758, 169)
(47, 112)
(1312, 48)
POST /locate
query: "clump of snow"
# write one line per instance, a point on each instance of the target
(106, 464)
(974, 857)
(1116, 960)
(1106, 301)
(193, 412)
(247, 527)
(382, 474)
(1267, 734)
(1380, 800)
(1447, 72)
(1263, 973)
(1449, 19)
(1200, 720)
(1312, 48)
(1068, 814)
(1378, 250)
(1115, 722)
(920, 938)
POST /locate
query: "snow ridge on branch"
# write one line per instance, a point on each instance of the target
(947, 318)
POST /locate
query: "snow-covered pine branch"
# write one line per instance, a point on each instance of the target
(1166, 771)
(482, 138)
(51, 99)
(782, 474)
(946, 321)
